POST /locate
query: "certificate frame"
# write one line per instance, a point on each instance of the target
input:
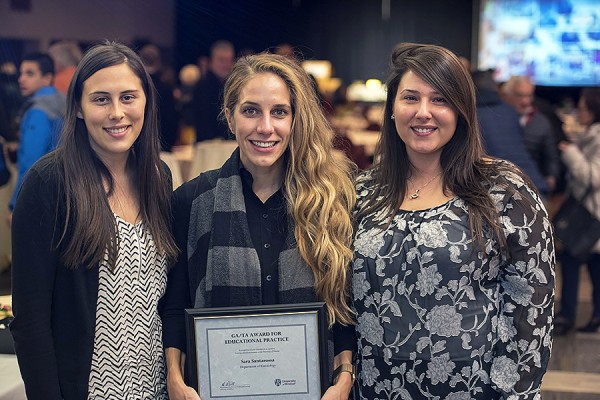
(253, 339)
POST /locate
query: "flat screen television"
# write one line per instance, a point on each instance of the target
(556, 42)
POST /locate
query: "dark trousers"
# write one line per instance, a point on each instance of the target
(570, 284)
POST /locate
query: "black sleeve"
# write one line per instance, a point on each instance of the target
(177, 296)
(34, 266)
(344, 338)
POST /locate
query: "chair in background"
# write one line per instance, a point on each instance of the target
(210, 154)
(173, 164)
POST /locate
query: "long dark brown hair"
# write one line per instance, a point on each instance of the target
(591, 98)
(90, 229)
(466, 167)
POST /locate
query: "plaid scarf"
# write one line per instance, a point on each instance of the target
(233, 276)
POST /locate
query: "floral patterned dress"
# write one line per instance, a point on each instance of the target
(437, 319)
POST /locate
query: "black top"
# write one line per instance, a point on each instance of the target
(267, 222)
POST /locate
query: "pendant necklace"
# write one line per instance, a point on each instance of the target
(415, 195)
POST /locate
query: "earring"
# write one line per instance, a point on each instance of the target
(393, 117)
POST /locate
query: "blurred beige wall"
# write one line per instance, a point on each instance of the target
(90, 21)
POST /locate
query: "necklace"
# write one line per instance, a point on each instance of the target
(415, 195)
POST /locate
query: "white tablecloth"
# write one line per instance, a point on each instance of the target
(11, 384)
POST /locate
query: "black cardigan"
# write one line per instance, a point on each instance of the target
(54, 307)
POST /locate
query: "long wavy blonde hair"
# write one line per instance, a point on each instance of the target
(318, 187)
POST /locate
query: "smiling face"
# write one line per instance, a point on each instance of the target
(112, 107)
(424, 119)
(261, 122)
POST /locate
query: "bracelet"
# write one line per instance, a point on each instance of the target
(350, 368)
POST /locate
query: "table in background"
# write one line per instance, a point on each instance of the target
(11, 384)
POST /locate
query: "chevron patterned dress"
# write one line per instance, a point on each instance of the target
(128, 360)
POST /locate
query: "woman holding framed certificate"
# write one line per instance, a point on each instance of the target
(272, 225)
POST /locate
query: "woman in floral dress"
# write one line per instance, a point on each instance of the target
(453, 271)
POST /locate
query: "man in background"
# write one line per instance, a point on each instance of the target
(208, 93)
(66, 55)
(500, 129)
(42, 116)
(11, 101)
(518, 91)
(169, 120)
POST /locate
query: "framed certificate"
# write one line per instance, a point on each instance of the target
(277, 351)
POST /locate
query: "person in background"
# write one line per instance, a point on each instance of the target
(189, 75)
(202, 62)
(168, 117)
(66, 55)
(538, 133)
(582, 160)
(549, 110)
(272, 226)
(91, 241)
(500, 130)
(453, 270)
(466, 63)
(11, 101)
(209, 91)
(42, 116)
(4, 171)
(285, 49)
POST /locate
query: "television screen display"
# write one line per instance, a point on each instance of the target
(556, 42)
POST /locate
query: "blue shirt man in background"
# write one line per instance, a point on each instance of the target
(42, 115)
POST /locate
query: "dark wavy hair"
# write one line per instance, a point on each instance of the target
(591, 98)
(89, 218)
(466, 167)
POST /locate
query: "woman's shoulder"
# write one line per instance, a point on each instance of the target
(365, 179)
(590, 136)
(43, 183)
(201, 184)
(594, 130)
(365, 184)
(502, 171)
(46, 168)
(507, 183)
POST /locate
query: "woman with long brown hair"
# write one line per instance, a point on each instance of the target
(92, 242)
(453, 271)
